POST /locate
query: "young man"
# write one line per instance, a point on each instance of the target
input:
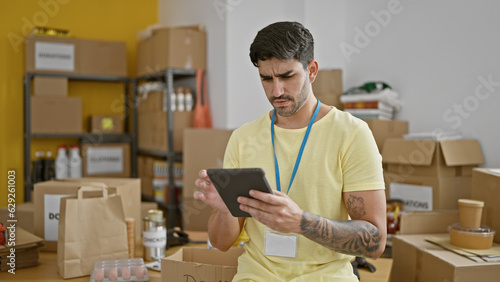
(325, 168)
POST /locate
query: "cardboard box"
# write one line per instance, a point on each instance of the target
(178, 47)
(384, 129)
(24, 214)
(56, 115)
(432, 158)
(152, 130)
(145, 165)
(145, 62)
(77, 56)
(153, 101)
(486, 188)
(50, 86)
(327, 87)
(47, 195)
(52, 54)
(106, 160)
(99, 57)
(445, 190)
(106, 124)
(427, 222)
(200, 264)
(203, 148)
(415, 259)
(147, 186)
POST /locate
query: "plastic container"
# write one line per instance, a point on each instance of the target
(119, 270)
(470, 212)
(75, 162)
(62, 160)
(471, 238)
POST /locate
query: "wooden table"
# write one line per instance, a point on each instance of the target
(47, 270)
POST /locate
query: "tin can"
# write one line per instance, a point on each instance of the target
(154, 236)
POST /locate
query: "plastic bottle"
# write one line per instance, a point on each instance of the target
(62, 163)
(75, 162)
(179, 93)
(188, 99)
(49, 170)
(173, 106)
(38, 167)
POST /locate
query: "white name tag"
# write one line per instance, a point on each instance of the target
(280, 245)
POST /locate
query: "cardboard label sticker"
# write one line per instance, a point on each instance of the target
(105, 160)
(54, 56)
(52, 205)
(414, 197)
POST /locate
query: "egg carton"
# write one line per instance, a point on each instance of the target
(119, 270)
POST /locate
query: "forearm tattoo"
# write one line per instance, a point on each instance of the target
(353, 237)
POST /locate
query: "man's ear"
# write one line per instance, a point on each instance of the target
(313, 68)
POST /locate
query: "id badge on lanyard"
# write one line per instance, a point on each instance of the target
(280, 245)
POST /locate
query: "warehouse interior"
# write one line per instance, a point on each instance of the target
(431, 65)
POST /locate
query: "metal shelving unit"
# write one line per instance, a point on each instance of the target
(129, 137)
(167, 76)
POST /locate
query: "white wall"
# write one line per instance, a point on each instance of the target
(181, 12)
(434, 53)
(246, 98)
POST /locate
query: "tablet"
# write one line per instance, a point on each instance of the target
(234, 182)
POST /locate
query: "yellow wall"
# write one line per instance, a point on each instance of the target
(116, 20)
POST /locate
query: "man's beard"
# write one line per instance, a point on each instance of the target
(296, 105)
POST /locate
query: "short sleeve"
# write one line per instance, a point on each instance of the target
(362, 162)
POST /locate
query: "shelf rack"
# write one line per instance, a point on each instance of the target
(167, 76)
(128, 137)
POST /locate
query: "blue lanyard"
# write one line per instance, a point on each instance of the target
(297, 162)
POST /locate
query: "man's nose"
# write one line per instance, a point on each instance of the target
(278, 88)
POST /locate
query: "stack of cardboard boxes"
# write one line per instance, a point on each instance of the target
(180, 47)
(417, 259)
(445, 166)
(54, 112)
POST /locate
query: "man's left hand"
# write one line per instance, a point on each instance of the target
(277, 211)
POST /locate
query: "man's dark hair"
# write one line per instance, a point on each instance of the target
(283, 40)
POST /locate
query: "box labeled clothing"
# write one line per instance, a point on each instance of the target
(106, 124)
(384, 129)
(415, 259)
(47, 197)
(56, 115)
(203, 148)
(50, 86)
(486, 188)
(200, 264)
(152, 130)
(24, 216)
(177, 47)
(432, 158)
(77, 56)
(327, 87)
(106, 160)
(445, 190)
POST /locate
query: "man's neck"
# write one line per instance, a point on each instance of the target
(299, 119)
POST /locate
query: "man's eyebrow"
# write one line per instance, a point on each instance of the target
(285, 74)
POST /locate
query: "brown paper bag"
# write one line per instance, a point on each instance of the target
(91, 228)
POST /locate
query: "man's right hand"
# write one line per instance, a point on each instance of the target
(209, 194)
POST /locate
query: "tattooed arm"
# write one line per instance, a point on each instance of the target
(365, 235)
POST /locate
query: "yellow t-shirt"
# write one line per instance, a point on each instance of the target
(340, 156)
